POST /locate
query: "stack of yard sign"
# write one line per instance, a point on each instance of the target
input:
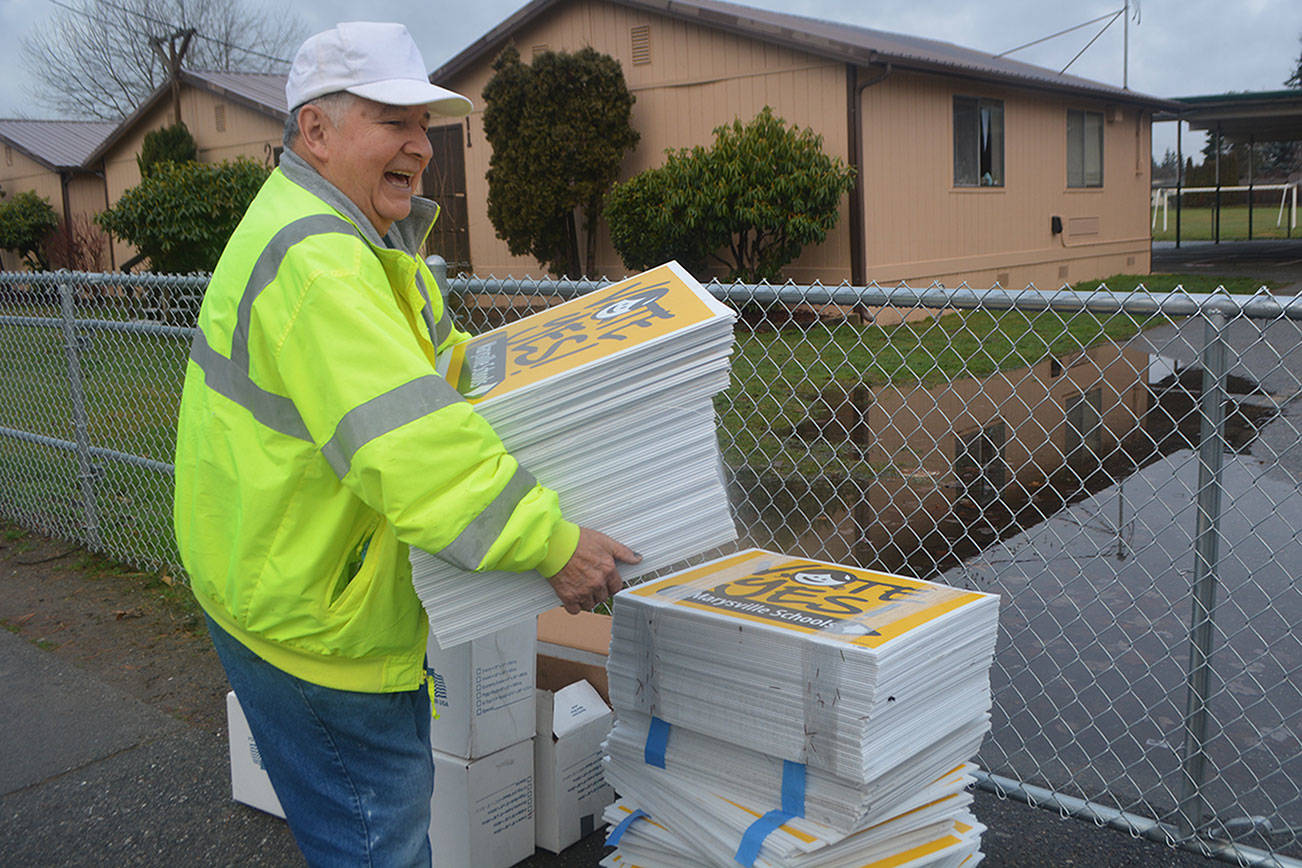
(777, 711)
(608, 399)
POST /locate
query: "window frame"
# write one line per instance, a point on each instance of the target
(1080, 178)
(993, 162)
(981, 470)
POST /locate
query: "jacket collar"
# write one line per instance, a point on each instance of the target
(407, 234)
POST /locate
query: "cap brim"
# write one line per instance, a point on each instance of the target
(405, 91)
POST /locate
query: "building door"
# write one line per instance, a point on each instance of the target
(445, 182)
(1083, 436)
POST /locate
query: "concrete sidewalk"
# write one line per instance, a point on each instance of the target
(90, 775)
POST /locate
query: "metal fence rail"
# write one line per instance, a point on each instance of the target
(1124, 468)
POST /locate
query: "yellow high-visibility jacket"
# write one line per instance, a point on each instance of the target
(316, 441)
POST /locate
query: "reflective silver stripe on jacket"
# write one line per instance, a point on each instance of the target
(365, 422)
(385, 413)
(268, 265)
(472, 544)
(438, 332)
(275, 411)
(230, 377)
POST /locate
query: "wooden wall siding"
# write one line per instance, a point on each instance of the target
(920, 228)
(247, 133)
(697, 80)
(21, 173)
(26, 174)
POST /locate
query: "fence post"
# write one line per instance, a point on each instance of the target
(438, 266)
(86, 470)
(1207, 549)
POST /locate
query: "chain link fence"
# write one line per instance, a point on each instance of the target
(1123, 468)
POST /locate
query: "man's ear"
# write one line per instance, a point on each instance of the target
(315, 131)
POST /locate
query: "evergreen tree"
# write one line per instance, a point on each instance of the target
(559, 129)
(172, 144)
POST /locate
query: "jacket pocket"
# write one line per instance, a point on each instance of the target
(359, 568)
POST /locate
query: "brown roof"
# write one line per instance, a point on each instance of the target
(261, 91)
(55, 144)
(843, 42)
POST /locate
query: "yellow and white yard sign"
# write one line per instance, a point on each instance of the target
(857, 606)
(602, 323)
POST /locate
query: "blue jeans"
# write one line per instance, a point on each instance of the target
(353, 771)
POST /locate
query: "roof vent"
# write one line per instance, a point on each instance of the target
(540, 48)
(641, 35)
(219, 117)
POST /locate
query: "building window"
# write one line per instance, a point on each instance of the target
(978, 142)
(979, 463)
(641, 36)
(1084, 149)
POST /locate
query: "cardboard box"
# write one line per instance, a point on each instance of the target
(482, 813)
(573, 648)
(570, 791)
(249, 781)
(484, 691)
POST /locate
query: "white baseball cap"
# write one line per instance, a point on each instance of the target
(378, 61)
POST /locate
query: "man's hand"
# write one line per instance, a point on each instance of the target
(591, 576)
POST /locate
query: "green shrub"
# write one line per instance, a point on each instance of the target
(751, 201)
(182, 214)
(26, 220)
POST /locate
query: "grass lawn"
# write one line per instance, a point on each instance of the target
(1196, 223)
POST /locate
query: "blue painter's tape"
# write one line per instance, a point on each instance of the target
(612, 840)
(793, 788)
(657, 742)
(793, 805)
(756, 834)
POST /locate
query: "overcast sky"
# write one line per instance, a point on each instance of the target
(1178, 48)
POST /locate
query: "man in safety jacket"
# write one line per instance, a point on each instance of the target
(316, 442)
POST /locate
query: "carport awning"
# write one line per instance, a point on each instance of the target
(1264, 116)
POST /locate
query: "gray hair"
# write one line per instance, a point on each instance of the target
(335, 105)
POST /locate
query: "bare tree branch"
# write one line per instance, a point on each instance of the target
(92, 58)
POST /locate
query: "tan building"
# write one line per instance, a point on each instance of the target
(229, 114)
(971, 168)
(50, 158)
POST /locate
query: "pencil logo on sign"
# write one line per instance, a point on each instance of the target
(623, 306)
(828, 579)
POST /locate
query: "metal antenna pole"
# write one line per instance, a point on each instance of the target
(1125, 48)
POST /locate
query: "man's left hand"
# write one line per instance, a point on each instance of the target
(591, 576)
